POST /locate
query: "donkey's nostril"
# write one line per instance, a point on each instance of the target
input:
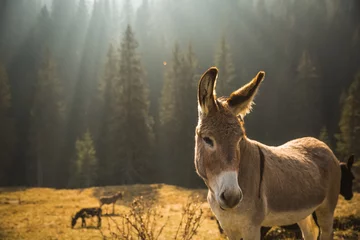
(230, 198)
(222, 196)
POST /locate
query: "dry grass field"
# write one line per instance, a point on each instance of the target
(44, 213)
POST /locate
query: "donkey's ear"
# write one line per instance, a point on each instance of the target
(241, 100)
(350, 161)
(206, 91)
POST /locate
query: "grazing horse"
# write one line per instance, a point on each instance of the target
(110, 200)
(251, 184)
(86, 213)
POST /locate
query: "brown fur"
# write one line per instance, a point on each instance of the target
(106, 200)
(299, 177)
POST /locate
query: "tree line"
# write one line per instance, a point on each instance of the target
(104, 92)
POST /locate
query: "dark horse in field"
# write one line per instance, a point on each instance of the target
(86, 213)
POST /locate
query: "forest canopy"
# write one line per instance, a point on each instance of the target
(103, 92)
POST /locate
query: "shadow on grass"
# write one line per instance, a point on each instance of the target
(111, 215)
(87, 227)
(349, 222)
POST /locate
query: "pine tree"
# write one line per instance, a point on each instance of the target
(349, 137)
(324, 136)
(7, 139)
(178, 117)
(83, 90)
(169, 123)
(223, 61)
(306, 98)
(189, 117)
(106, 107)
(46, 127)
(140, 136)
(129, 135)
(86, 162)
(167, 111)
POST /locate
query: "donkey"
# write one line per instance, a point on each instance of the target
(86, 213)
(111, 200)
(253, 185)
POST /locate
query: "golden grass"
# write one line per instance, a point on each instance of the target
(44, 213)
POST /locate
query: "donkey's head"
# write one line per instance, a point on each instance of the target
(119, 195)
(218, 135)
(73, 221)
(347, 178)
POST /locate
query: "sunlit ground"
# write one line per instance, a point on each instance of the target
(43, 213)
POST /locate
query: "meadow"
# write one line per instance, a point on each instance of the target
(45, 213)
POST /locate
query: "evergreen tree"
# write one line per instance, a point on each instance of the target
(306, 98)
(129, 126)
(139, 138)
(224, 62)
(324, 136)
(91, 63)
(46, 127)
(178, 118)
(22, 71)
(7, 139)
(169, 123)
(189, 117)
(349, 137)
(86, 162)
(107, 105)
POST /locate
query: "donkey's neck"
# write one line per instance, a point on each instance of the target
(250, 167)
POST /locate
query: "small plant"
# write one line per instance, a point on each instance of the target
(143, 221)
(190, 220)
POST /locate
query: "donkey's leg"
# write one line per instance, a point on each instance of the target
(325, 218)
(309, 229)
(99, 220)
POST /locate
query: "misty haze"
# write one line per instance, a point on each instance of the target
(98, 100)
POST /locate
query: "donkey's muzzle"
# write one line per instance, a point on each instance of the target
(230, 198)
(349, 197)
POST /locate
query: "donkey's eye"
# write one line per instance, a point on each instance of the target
(208, 141)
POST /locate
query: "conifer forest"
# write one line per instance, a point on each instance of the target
(103, 92)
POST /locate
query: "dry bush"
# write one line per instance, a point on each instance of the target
(143, 222)
(191, 219)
